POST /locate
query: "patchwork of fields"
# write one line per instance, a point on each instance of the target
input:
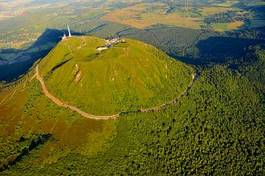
(147, 14)
(32, 20)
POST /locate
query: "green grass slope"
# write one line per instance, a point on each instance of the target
(129, 76)
(217, 129)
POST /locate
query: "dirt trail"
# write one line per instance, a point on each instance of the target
(73, 108)
(110, 117)
(162, 106)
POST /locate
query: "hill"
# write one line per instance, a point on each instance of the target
(128, 76)
(216, 129)
(30, 122)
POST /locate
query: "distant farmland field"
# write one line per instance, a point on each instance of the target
(146, 14)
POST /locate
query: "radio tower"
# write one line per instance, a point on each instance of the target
(186, 7)
(69, 31)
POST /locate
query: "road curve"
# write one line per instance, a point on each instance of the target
(110, 117)
(64, 105)
(163, 106)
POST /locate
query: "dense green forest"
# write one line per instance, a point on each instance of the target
(217, 129)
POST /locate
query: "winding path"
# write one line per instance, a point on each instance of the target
(163, 106)
(108, 117)
(64, 105)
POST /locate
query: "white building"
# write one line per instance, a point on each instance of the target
(69, 33)
(102, 48)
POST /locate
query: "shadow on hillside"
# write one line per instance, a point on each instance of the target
(16, 62)
(199, 47)
(225, 49)
(196, 47)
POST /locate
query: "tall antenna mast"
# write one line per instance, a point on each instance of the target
(186, 7)
(69, 31)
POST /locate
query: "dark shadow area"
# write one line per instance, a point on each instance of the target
(169, 39)
(199, 47)
(15, 62)
(255, 16)
(232, 47)
(32, 144)
(225, 49)
(177, 42)
(195, 47)
(58, 66)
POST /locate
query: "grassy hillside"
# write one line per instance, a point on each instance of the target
(27, 115)
(30, 123)
(129, 76)
(217, 129)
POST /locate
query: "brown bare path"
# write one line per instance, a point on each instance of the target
(64, 105)
(110, 117)
(162, 106)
